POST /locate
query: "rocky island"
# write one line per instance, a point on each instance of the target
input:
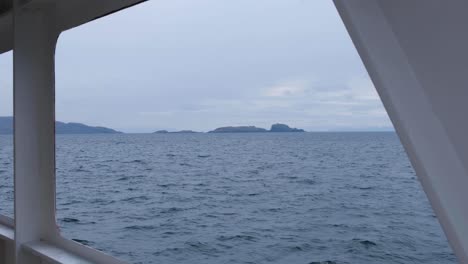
(238, 129)
(254, 129)
(284, 128)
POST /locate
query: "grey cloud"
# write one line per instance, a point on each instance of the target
(201, 64)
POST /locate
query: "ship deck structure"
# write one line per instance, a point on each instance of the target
(414, 51)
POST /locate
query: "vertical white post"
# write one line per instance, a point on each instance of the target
(35, 37)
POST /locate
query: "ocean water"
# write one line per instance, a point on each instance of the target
(294, 198)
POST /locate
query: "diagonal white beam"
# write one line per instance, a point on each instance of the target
(415, 53)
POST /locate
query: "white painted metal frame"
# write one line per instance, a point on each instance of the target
(35, 36)
(414, 52)
(37, 238)
(36, 28)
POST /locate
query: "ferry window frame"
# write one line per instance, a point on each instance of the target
(7, 219)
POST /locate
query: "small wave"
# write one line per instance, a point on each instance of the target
(167, 251)
(83, 241)
(80, 169)
(365, 243)
(166, 185)
(266, 166)
(236, 237)
(323, 262)
(140, 227)
(254, 172)
(204, 156)
(196, 244)
(297, 248)
(136, 161)
(308, 181)
(98, 166)
(210, 215)
(363, 187)
(101, 201)
(229, 213)
(205, 248)
(171, 210)
(340, 225)
(136, 198)
(71, 202)
(70, 220)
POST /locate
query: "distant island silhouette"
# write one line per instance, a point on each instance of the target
(254, 129)
(284, 128)
(238, 129)
(6, 128)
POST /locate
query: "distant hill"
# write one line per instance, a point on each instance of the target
(6, 127)
(78, 128)
(253, 129)
(238, 129)
(284, 128)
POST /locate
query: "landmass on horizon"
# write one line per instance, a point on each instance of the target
(6, 128)
(240, 129)
(253, 129)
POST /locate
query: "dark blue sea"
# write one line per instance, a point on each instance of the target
(292, 198)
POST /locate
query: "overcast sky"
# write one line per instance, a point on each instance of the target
(184, 64)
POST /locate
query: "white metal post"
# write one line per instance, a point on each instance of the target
(35, 37)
